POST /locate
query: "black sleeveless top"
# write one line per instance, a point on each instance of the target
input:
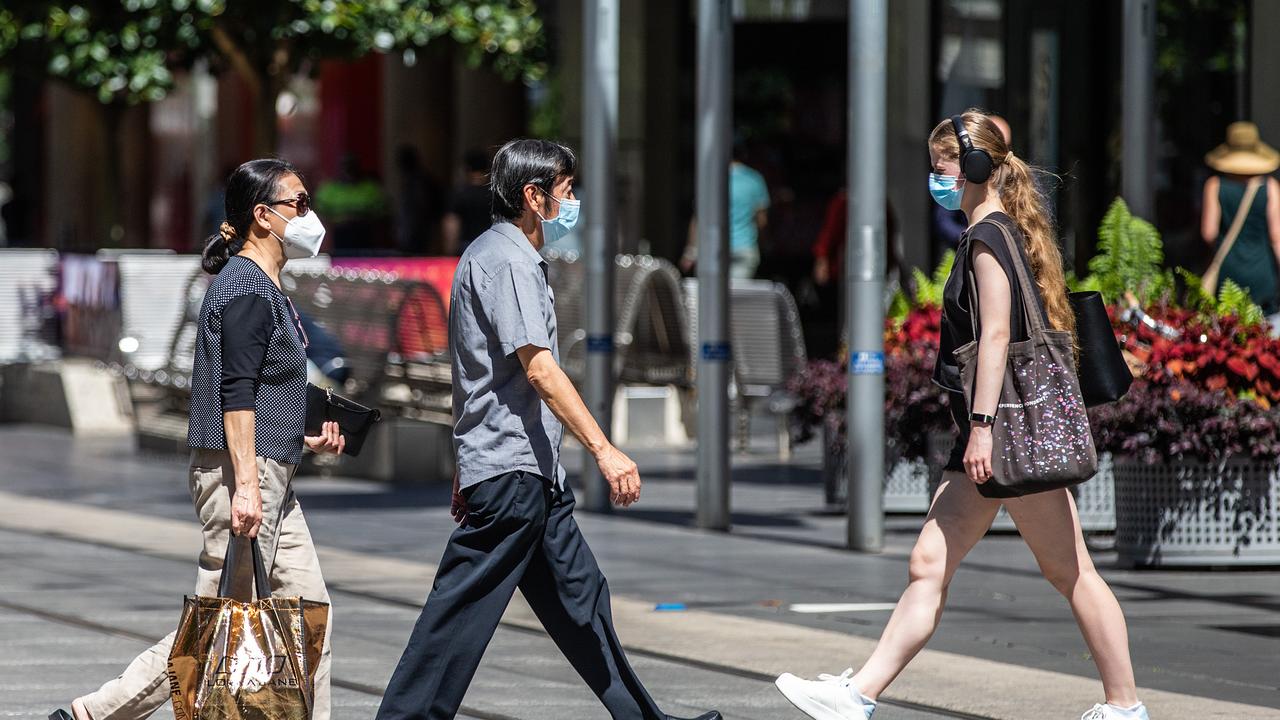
(958, 319)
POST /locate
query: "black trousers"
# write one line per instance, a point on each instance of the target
(519, 532)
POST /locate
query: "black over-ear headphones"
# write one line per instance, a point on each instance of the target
(975, 163)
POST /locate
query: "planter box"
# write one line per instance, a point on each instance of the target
(908, 485)
(1095, 501)
(1194, 513)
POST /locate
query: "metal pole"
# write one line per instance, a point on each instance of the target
(599, 130)
(1138, 114)
(864, 272)
(715, 73)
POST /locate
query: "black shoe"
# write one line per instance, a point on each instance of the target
(60, 714)
(713, 715)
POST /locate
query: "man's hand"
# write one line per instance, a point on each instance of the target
(246, 509)
(458, 508)
(557, 391)
(622, 474)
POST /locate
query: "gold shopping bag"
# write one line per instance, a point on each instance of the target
(235, 660)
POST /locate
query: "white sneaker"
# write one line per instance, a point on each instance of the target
(1111, 712)
(830, 697)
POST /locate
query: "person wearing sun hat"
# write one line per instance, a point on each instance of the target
(1241, 215)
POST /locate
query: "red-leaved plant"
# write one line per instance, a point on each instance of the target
(914, 407)
(1219, 353)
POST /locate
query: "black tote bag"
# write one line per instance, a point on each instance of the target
(1104, 375)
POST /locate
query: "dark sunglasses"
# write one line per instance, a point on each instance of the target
(301, 203)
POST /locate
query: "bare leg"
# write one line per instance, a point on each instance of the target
(1051, 527)
(958, 518)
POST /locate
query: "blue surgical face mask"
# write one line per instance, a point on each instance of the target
(563, 223)
(946, 190)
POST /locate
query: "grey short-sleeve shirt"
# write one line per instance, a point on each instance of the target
(501, 302)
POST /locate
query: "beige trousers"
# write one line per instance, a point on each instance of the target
(287, 551)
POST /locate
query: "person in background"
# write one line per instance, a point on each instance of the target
(829, 248)
(1251, 262)
(417, 207)
(748, 216)
(468, 215)
(212, 213)
(356, 205)
(949, 225)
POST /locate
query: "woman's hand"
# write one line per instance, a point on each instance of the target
(246, 510)
(329, 440)
(977, 456)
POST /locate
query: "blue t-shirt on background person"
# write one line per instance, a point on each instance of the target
(748, 194)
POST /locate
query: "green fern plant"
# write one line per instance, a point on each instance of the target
(1235, 300)
(929, 289)
(1130, 257)
(1196, 298)
(1232, 300)
(899, 306)
(1082, 284)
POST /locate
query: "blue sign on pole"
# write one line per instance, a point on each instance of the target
(716, 351)
(866, 363)
(599, 343)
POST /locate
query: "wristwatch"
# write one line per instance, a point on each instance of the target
(983, 419)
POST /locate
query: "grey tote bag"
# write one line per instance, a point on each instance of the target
(1041, 439)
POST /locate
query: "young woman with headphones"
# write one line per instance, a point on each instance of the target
(975, 171)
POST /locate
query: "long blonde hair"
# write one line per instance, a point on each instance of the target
(1011, 179)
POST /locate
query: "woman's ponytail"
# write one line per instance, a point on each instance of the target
(219, 248)
(1026, 206)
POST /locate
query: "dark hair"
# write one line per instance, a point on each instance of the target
(253, 183)
(526, 162)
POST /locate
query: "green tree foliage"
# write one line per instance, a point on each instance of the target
(1130, 257)
(124, 51)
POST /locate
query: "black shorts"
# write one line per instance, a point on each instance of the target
(959, 414)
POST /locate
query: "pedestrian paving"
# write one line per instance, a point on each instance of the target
(72, 614)
(780, 554)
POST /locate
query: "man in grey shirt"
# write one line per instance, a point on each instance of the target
(511, 403)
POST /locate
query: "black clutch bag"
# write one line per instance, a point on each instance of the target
(354, 420)
(1104, 375)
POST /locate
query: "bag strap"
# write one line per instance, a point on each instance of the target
(229, 565)
(1210, 280)
(1035, 321)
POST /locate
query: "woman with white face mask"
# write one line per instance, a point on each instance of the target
(248, 412)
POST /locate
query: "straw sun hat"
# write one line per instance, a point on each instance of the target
(1243, 153)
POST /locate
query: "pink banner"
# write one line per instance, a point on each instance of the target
(435, 271)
